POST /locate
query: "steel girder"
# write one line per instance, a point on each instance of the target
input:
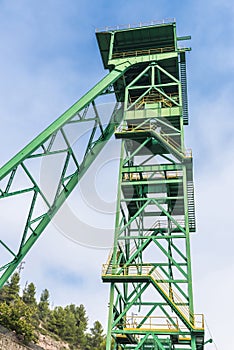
(18, 178)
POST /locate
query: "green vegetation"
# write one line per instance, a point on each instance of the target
(27, 317)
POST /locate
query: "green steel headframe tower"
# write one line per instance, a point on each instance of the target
(149, 267)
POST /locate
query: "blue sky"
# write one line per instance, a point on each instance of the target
(49, 58)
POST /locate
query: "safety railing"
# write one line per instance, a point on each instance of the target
(199, 322)
(154, 98)
(136, 25)
(131, 270)
(136, 53)
(173, 174)
(171, 294)
(134, 176)
(169, 174)
(110, 257)
(152, 323)
(187, 152)
(169, 140)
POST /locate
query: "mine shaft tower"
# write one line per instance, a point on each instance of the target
(149, 267)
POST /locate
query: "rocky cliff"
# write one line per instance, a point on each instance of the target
(9, 341)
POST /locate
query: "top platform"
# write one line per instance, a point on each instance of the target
(118, 42)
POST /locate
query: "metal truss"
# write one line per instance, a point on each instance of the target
(20, 176)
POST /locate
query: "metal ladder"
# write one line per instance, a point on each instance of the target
(183, 78)
(191, 206)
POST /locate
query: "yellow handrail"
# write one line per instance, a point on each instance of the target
(152, 322)
(135, 53)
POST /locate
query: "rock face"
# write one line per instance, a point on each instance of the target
(9, 341)
(48, 343)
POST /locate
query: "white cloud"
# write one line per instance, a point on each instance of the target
(49, 61)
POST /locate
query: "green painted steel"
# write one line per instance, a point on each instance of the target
(46, 145)
(149, 267)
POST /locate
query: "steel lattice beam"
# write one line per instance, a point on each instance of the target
(46, 145)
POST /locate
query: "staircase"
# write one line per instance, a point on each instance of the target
(191, 207)
(174, 299)
(172, 146)
(167, 142)
(179, 305)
